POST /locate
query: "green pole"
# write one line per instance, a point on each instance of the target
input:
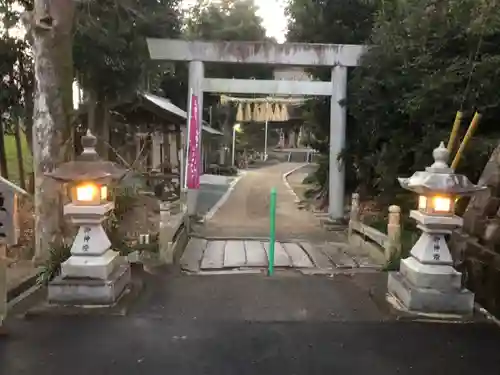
(272, 230)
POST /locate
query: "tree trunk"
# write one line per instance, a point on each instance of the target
(20, 158)
(51, 25)
(4, 172)
(27, 85)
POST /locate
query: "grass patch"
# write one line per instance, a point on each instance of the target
(11, 155)
(409, 232)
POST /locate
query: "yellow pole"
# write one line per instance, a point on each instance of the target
(468, 135)
(454, 131)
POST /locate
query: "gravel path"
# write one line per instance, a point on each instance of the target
(246, 212)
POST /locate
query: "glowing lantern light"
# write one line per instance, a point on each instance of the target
(86, 192)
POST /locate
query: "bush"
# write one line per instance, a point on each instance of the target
(52, 267)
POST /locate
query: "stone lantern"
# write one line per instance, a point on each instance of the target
(94, 274)
(427, 281)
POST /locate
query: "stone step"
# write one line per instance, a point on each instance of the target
(256, 254)
(319, 258)
(281, 258)
(234, 254)
(193, 254)
(337, 255)
(224, 254)
(299, 257)
(213, 258)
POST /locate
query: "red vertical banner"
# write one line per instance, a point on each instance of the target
(193, 162)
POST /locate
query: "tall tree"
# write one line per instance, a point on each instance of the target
(428, 61)
(337, 22)
(50, 26)
(16, 98)
(9, 92)
(226, 20)
(117, 67)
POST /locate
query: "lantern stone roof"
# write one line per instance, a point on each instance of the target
(439, 178)
(88, 166)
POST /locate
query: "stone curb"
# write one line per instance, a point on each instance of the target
(222, 200)
(20, 289)
(489, 316)
(285, 180)
(480, 315)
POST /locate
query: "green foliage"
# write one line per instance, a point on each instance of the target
(409, 236)
(125, 200)
(392, 263)
(52, 267)
(9, 89)
(404, 96)
(226, 20)
(16, 69)
(338, 22)
(323, 21)
(15, 65)
(110, 52)
(11, 154)
(427, 61)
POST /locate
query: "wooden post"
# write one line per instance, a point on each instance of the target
(3, 284)
(393, 246)
(156, 145)
(355, 212)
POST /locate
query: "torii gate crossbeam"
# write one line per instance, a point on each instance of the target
(337, 56)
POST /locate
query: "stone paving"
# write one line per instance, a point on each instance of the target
(236, 237)
(246, 212)
(233, 256)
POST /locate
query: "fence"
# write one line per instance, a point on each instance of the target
(389, 243)
(302, 156)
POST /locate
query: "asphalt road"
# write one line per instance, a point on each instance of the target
(187, 325)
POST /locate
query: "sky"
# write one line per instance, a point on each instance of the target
(273, 14)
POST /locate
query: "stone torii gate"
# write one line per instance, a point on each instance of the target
(337, 56)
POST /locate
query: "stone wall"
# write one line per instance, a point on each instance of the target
(476, 247)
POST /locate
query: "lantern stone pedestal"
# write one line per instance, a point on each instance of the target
(94, 274)
(427, 281)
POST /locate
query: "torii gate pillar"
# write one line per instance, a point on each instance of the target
(336, 56)
(336, 188)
